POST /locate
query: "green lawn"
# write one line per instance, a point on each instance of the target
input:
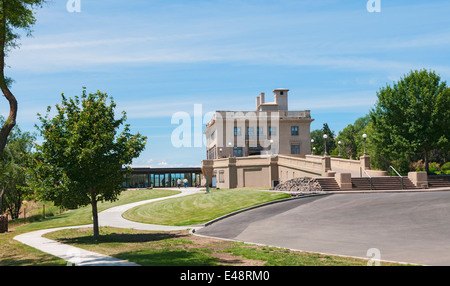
(183, 249)
(14, 253)
(83, 215)
(200, 208)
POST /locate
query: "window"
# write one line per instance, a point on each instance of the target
(237, 151)
(250, 131)
(281, 92)
(237, 131)
(211, 154)
(210, 139)
(272, 131)
(295, 149)
(221, 176)
(294, 130)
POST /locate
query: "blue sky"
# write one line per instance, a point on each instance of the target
(160, 57)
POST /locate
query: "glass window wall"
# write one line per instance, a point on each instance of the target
(162, 180)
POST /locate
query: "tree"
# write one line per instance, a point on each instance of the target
(317, 136)
(82, 154)
(411, 117)
(443, 121)
(319, 141)
(331, 143)
(13, 165)
(14, 14)
(351, 138)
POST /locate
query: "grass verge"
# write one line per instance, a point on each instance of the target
(200, 208)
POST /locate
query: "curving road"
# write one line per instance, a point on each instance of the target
(404, 227)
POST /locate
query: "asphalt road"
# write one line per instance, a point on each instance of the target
(403, 227)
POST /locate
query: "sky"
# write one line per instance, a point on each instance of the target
(160, 57)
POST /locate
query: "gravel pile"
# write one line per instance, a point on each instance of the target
(299, 185)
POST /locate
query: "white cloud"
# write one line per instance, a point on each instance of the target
(221, 37)
(163, 164)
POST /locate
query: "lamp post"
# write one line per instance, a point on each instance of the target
(312, 142)
(364, 138)
(325, 137)
(220, 151)
(339, 143)
(231, 150)
(314, 149)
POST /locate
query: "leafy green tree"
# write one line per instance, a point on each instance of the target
(318, 144)
(331, 142)
(13, 165)
(14, 14)
(83, 152)
(443, 122)
(319, 141)
(411, 117)
(351, 138)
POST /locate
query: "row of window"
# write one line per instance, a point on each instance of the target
(260, 130)
(161, 180)
(295, 150)
(238, 151)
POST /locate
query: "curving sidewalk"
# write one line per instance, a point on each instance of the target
(111, 217)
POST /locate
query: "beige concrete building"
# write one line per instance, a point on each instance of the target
(271, 145)
(269, 130)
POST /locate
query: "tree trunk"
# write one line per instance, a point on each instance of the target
(3, 223)
(94, 212)
(3, 219)
(425, 152)
(14, 208)
(11, 121)
(2, 194)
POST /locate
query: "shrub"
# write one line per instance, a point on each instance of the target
(433, 168)
(445, 169)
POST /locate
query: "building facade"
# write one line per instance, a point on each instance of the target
(269, 130)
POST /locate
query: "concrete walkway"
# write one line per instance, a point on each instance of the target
(111, 217)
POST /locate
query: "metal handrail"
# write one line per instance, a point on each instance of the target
(401, 177)
(370, 177)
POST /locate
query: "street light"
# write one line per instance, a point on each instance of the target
(364, 138)
(314, 149)
(325, 137)
(231, 151)
(312, 142)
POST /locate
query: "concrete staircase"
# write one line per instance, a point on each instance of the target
(382, 183)
(328, 184)
(439, 181)
(363, 184)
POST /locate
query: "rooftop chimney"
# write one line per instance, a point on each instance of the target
(281, 98)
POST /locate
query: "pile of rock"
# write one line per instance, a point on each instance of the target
(299, 185)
